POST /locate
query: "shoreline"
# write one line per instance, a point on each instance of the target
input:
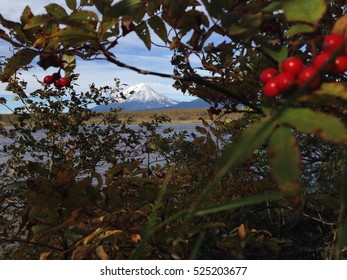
(177, 116)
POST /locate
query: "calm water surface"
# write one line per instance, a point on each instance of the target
(188, 127)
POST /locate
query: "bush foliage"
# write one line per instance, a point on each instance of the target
(268, 185)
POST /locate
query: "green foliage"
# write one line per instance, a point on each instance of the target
(246, 144)
(323, 126)
(304, 11)
(285, 159)
(143, 32)
(216, 186)
(158, 26)
(22, 57)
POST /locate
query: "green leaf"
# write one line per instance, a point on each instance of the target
(74, 35)
(143, 32)
(252, 21)
(284, 157)
(69, 63)
(299, 29)
(122, 8)
(26, 15)
(83, 19)
(72, 4)
(37, 21)
(56, 11)
(278, 53)
(242, 202)
(108, 28)
(40, 228)
(158, 26)
(83, 16)
(16, 27)
(103, 5)
(152, 7)
(310, 11)
(4, 36)
(272, 7)
(177, 8)
(324, 126)
(20, 59)
(88, 3)
(338, 90)
(245, 145)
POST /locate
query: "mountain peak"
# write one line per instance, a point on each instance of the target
(143, 97)
(145, 94)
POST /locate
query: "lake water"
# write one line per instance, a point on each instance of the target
(187, 127)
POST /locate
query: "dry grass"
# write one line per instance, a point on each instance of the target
(176, 116)
(6, 119)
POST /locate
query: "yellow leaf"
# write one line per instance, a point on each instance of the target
(100, 252)
(91, 236)
(340, 26)
(98, 220)
(44, 255)
(242, 231)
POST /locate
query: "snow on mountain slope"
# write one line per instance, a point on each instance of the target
(143, 97)
(145, 94)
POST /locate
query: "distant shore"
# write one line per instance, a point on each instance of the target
(176, 116)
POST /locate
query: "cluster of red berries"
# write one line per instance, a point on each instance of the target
(57, 80)
(295, 73)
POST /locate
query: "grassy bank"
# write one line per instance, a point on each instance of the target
(176, 116)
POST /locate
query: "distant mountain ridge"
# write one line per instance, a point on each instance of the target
(143, 97)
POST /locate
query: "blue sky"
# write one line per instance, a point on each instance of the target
(130, 50)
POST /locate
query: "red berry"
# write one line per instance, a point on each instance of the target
(284, 81)
(340, 65)
(332, 42)
(306, 75)
(271, 89)
(321, 60)
(62, 82)
(65, 82)
(268, 74)
(48, 79)
(292, 65)
(58, 84)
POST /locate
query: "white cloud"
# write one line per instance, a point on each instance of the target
(13, 9)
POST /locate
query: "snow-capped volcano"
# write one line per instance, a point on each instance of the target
(139, 97)
(145, 94)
